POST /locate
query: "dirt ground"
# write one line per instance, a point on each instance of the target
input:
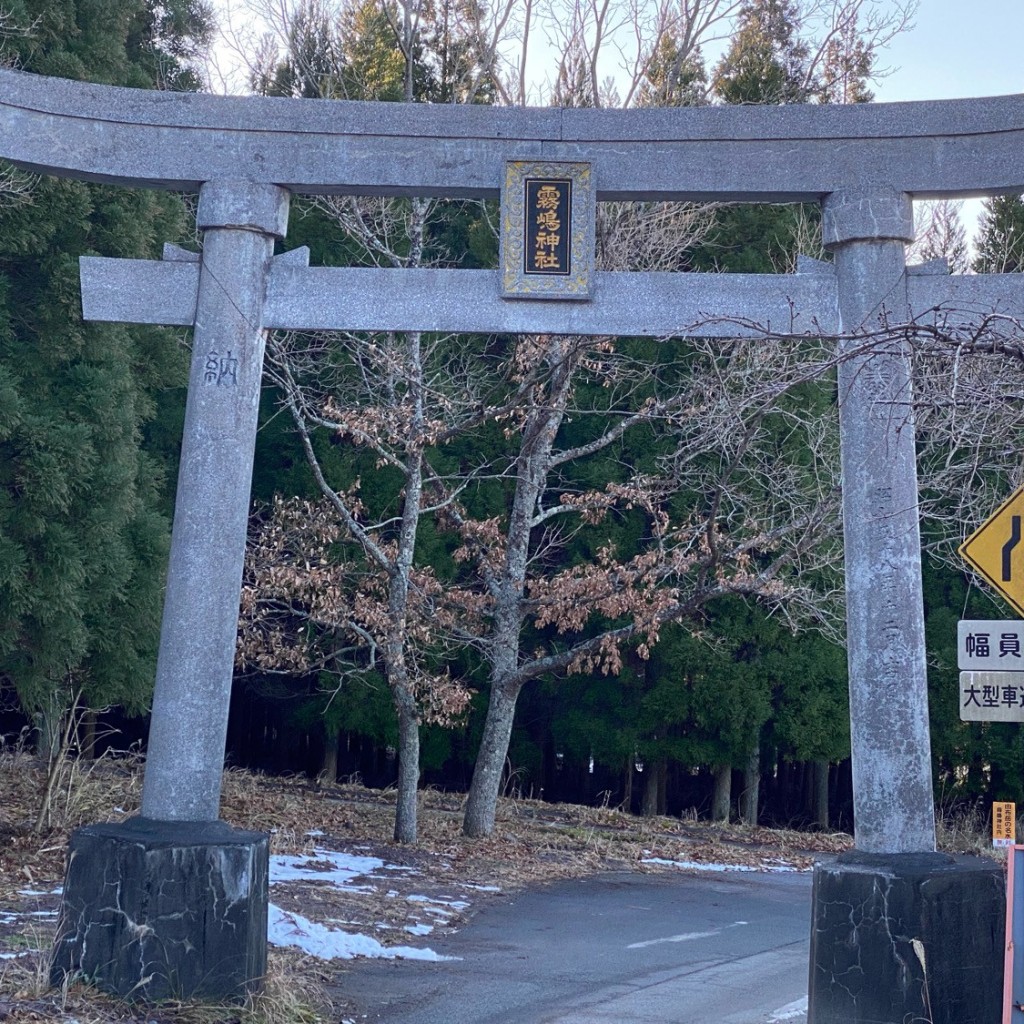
(415, 893)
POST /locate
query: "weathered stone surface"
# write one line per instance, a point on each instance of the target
(159, 910)
(185, 753)
(231, 204)
(866, 214)
(767, 154)
(907, 937)
(890, 739)
(370, 298)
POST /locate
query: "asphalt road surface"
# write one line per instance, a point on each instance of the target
(625, 948)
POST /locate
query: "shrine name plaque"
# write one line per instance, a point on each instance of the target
(547, 230)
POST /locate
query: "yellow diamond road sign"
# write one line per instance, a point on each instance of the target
(995, 550)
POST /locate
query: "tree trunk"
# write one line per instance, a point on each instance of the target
(627, 788)
(87, 746)
(482, 804)
(751, 787)
(48, 724)
(408, 770)
(662, 769)
(821, 794)
(654, 788)
(722, 797)
(329, 766)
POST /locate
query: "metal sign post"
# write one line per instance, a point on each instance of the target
(1013, 971)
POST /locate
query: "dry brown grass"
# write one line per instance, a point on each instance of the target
(533, 843)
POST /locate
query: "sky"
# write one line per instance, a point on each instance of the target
(957, 48)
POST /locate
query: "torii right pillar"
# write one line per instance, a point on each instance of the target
(899, 932)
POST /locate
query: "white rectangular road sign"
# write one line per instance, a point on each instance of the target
(995, 645)
(992, 696)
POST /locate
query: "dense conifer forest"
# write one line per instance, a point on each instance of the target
(602, 570)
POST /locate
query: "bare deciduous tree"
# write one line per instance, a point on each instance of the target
(727, 505)
(939, 234)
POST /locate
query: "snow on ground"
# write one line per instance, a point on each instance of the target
(419, 929)
(692, 865)
(328, 867)
(287, 929)
(454, 904)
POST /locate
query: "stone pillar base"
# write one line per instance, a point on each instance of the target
(907, 937)
(159, 910)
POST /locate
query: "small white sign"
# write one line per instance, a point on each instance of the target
(992, 696)
(992, 645)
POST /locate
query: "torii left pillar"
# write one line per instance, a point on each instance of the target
(173, 903)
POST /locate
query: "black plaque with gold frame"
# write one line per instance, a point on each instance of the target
(547, 230)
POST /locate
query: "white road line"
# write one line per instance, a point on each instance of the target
(685, 937)
(798, 1008)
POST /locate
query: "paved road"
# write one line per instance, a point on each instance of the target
(623, 948)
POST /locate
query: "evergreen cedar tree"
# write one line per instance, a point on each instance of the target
(83, 501)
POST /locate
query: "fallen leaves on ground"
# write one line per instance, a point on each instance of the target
(433, 885)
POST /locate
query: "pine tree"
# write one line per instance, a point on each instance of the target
(673, 77)
(766, 61)
(1000, 242)
(82, 539)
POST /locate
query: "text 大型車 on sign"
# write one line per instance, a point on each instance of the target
(992, 696)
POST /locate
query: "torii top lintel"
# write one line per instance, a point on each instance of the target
(757, 154)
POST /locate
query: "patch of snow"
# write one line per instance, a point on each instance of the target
(287, 929)
(323, 866)
(314, 832)
(14, 956)
(692, 865)
(454, 904)
(481, 888)
(42, 913)
(418, 928)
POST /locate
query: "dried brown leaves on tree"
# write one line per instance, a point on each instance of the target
(306, 608)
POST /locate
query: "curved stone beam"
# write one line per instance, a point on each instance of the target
(757, 154)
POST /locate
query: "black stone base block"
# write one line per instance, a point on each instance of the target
(907, 937)
(159, 910)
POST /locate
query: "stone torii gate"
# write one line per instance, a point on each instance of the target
(173, 902)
